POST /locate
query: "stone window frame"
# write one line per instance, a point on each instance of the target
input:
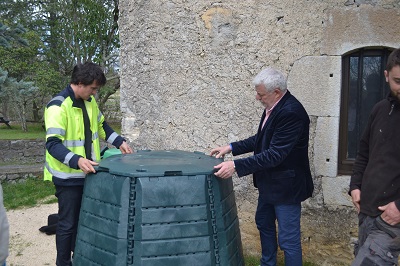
(354, 62)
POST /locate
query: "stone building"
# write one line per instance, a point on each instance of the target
(186, 72)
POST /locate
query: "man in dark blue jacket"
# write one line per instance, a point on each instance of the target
(280, 167)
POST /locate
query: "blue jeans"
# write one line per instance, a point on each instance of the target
(69, 205)
(289, 239)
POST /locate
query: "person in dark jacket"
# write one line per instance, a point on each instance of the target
(375, 181)
(280, 167)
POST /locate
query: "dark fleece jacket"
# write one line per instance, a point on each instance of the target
(376, 171)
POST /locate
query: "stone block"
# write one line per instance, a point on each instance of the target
(325, 146)
(335, 190)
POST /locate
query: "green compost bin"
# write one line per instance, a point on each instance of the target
(161, 208)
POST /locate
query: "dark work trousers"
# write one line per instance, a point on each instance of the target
(378, 242)
(69, 205)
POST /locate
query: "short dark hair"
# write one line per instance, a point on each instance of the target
(87, 73)
(393, 59)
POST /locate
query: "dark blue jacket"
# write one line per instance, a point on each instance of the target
(280, 165)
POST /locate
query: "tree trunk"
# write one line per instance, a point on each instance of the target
(23, 118)
(35, 111)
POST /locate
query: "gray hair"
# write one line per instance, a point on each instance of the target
(271, 79)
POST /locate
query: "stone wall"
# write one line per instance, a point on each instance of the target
(20, 159)
(186, 71)
(22, 152)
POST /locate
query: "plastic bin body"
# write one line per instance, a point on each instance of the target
(158, 208)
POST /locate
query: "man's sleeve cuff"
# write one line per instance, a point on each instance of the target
(73, 163)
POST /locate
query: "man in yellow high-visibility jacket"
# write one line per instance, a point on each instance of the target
(74, 125)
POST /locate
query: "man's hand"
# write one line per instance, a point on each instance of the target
(226, 169)
(355, 197)
(86, 165)
(221, 151)
(390, 214)
(124, 148)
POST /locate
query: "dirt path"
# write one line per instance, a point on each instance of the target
(28, 246)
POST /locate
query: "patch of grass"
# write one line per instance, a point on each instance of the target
(35, 131)
(115, 126)
(252, 260)
(28, 193)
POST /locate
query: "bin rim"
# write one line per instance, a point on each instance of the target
(151, 163)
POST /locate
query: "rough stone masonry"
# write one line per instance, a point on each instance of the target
(186, 71)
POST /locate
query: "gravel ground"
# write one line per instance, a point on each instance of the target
(29, 246)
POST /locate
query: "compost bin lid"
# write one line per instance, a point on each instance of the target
(147, 163)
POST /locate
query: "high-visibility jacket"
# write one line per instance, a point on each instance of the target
(65, 135)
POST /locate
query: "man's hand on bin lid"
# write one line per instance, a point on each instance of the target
(226, 169)
(221, 151)
(86, 165)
